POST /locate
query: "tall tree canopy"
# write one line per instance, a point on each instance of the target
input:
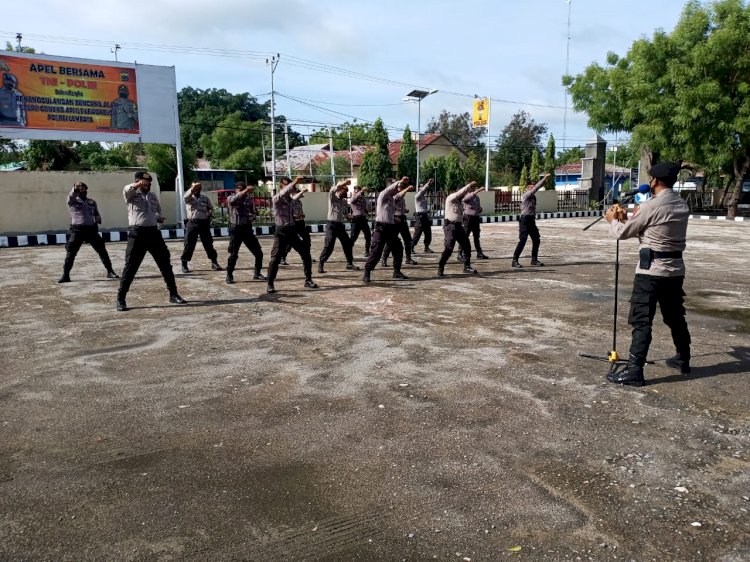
(376, 163)
(457, 127)
(407, 156)
(517, 143)
(685, 95)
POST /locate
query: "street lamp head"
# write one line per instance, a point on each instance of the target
(420, 94)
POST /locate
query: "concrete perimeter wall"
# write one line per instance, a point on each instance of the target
(35, 202)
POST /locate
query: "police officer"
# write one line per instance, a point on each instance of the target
(454, 229)
(359, 220)
(144, 214)
(84, 227)
(12, 112)
(473, 220)
(661, 227)
(386, 231)
(422, 219)
(199, 212)
(402, 227)
(299, 219)
(335, 228)
(285, 235)
(527, 224)
(241, 230)
(124, 111)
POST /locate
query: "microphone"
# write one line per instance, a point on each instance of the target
(643, 188)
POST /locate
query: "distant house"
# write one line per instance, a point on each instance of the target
(303, 158)
(432, 144)
(568, 176)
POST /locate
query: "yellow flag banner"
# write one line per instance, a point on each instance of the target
(481, 116)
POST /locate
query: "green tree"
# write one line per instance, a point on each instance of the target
(359, 133)
(524, 181)
(570, 155)
(407, 156)
(248, 158)
(9, 47)
(94, 156)
(50, 155)
(376, 166)
(474, 168)
(535, 169)
(684, 95)
(457, 127)
(231, 134)
(435, 167)
(519, 140)
(549, 163)
(162, 160)
(454, 171)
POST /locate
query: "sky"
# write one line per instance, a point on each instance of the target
(342, 61)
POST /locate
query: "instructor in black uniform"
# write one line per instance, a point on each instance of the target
(661, 227)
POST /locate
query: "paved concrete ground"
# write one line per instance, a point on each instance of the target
(447, 419)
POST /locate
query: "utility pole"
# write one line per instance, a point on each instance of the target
(272, 64)
(19, 37)
(351, 157)
(567, 72)
(333, 168)
(286, 142)
(114, 50)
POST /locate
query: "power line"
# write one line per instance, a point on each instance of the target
(289, 60)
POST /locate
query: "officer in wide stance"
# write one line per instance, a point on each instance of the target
(335, 228)
(661, 227)
(359, 203)
(453, 229)
(144, 216)
(386, 231)
(241, 231)
(285, 235)
(199, 212)
(84, 227)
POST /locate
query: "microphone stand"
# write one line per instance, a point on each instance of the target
(616, 364)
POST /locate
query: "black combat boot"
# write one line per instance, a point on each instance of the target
(481, 255)
(215, 266)
(384, 262)
(270, 288)
(121, 306)
(441, 272)
(185, 267)
(516, 264)
(680, 361)
(112, 275)
(427, 250)
(310, 284)
(469, 269)
(258, 276)
(631, 375)
(460, 257)
(351, 267)
(366, 276)
(321, 269)
(174, 298)
(283, 261)
(67, 266)
(399, 275)
(537, 263)
(65, 278)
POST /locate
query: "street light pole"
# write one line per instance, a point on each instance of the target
(418, 96)
(272, 63)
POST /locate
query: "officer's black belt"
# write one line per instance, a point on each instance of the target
(667, 255)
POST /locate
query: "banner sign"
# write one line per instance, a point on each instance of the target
(481, 116)
(41, 94)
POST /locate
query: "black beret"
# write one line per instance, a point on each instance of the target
(143, 176)
(664, 171)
